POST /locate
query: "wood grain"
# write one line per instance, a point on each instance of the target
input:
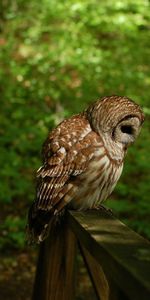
(122, 253)
(55, 276)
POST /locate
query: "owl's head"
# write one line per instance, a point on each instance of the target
(118, 117)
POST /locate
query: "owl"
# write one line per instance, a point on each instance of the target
(82, 160)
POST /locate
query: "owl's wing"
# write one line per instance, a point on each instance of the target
(66, 154)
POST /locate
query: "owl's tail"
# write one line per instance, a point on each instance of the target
(39, 223)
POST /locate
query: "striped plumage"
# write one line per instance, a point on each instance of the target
(83, 160)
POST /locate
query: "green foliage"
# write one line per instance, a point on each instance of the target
(56, 57)
(12, 232)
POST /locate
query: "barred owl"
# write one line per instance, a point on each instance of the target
(83, 160)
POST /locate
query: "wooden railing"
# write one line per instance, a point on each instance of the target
(117, 259)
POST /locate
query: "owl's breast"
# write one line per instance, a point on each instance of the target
(96, 183)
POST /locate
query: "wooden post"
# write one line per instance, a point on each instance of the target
(117, 259)
(55, 275)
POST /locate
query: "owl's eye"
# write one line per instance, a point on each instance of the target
(127, 129)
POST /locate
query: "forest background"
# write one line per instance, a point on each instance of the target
(57, 56)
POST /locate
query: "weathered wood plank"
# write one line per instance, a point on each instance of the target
(56, 266)
(122, 253)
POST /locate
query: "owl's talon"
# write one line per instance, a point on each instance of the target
(104, 208)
